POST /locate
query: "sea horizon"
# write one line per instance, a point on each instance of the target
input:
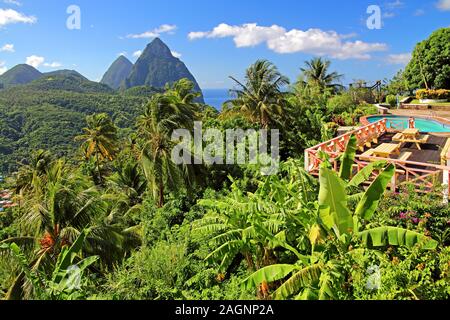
(216, 97)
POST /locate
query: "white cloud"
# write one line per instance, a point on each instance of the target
(165, 28)
(401, 58)
(176, 54)
(35, 61)
(14, 2)
(278, 39)
(443, 5)
(3, 69)
(7, 48)
(10, 16)
(388, 15)
(419, 12)
(137, 54)
(53, 65)
(394, 5)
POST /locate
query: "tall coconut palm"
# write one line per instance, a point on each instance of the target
(316, 72)
(36, 167)
(163, 114)
(261, 98)
(99, 139)
(60, 206)
(184, 90)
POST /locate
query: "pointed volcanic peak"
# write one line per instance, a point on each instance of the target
(117, 72)
(157, 66)
(19, 75)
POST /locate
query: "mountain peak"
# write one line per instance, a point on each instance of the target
(117, 72)
(157, 48)
(20, 74)
(122, 58)
(157, 66)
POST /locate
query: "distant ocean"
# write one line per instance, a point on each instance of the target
(216, 97)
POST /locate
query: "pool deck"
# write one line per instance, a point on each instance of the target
(439, 116)
(420, 113)
(430, 153)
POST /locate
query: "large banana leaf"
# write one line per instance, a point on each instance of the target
(348, 158)
(303, 278)
(394, 236)
(332, 194)
(268, 274)
(225, 253)
(364, 174)
(29, 273)
(67, 255)
(369, 202)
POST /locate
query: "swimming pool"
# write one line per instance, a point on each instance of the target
(400, 123)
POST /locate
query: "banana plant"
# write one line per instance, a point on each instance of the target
(337, 223)
(66, 276)
(254, 225)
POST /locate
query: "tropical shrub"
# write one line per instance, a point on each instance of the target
(433, 94)
(391, 100)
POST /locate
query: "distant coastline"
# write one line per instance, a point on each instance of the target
(216, 97)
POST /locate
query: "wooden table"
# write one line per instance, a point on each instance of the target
(410, 133)
(385, 150)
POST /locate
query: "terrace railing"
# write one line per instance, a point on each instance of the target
(425, 177)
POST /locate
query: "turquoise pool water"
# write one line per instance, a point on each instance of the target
(424, 125)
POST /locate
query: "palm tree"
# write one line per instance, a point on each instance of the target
(163, 114)
(183, 89)
(61, 204)
(130, 181)
(37, 167)
(99, 139)
(316, 73)
(261, 98)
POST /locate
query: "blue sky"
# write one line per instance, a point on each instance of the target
(218, 38)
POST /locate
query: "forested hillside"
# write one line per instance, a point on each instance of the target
(33, 117)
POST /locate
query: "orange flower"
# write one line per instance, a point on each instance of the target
(420, 266)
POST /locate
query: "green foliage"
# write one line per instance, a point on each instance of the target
(391, 100)
(429, 67)
(440, 94)
(316, 73)
(140, 227)
(50, 120)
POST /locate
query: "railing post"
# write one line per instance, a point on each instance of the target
(445, 185)
(394, 182)
(445, 182)
(306, 160)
